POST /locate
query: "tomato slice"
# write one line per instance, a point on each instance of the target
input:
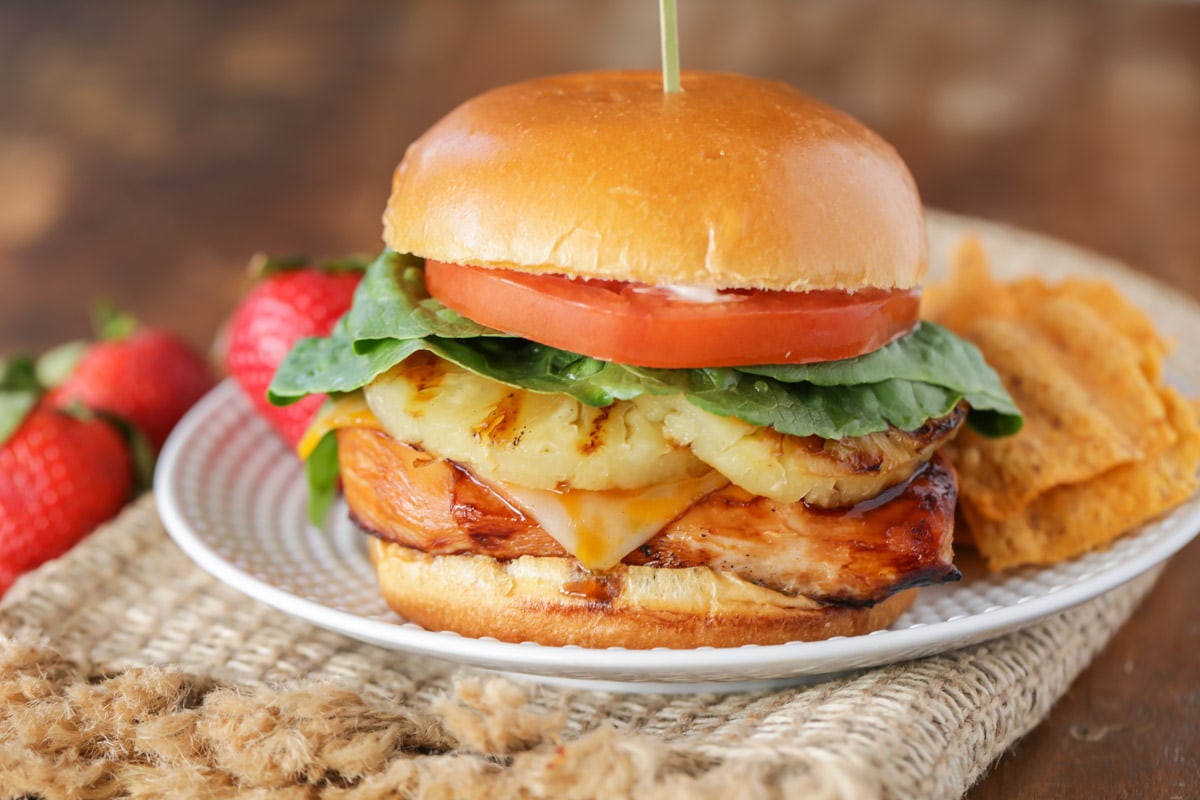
(645, 326)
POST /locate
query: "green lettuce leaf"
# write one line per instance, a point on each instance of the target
(321, 473)
(392, 303)
(918, 377)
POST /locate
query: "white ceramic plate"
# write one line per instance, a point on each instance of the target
(234, 498)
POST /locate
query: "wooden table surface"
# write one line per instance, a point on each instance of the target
(148, 149)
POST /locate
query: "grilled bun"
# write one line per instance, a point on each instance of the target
(553, 602)
(735, 182)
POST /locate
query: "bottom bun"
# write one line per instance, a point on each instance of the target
(552, 601)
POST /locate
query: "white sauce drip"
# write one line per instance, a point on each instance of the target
(690, 293)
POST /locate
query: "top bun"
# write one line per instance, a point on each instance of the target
(733, 182)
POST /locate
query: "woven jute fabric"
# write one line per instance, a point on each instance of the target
(126, 671)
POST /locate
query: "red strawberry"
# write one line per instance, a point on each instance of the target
(146, 377)
(289, 304)
(60, 477)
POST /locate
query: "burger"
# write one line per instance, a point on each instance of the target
(645, 369)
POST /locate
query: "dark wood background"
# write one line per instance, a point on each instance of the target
(148, 149)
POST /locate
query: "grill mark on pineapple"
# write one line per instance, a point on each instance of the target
(595, 435)
(501, 423)
(425, 373)
(876, 452)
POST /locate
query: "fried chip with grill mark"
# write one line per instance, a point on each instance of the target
(1070, 520)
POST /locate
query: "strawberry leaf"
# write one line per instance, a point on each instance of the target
(56, 365)
(351, 263)
(140, 448)
(112, 325)
(18, 373)
(19, 393)
(14, 408)
(262, 266)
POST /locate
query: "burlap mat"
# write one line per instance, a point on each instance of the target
(125, 671)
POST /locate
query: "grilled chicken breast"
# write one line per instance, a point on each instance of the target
(854, 556)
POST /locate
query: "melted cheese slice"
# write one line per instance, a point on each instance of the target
(349, 411)
(600, 528)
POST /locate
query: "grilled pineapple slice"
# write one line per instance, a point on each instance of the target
(822, 472)
(542, 441)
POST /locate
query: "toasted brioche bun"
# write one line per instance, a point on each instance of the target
(735, 182)
(553, 602)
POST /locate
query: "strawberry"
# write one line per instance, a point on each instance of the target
(61, 475)
(145, 376)
(292, 300)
